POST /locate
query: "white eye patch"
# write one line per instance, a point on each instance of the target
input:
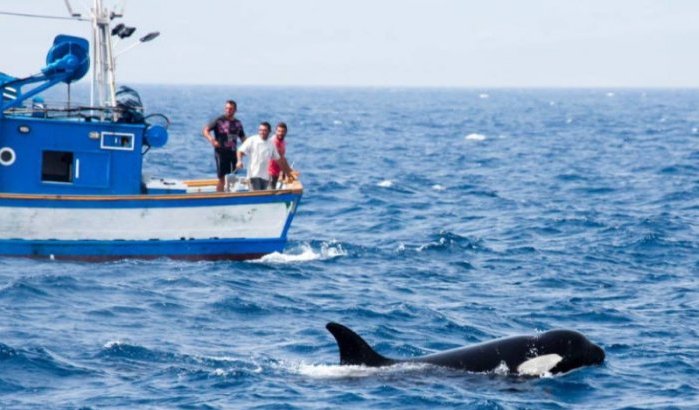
(539, 365)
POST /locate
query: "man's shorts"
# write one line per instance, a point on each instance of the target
(258, 184)
(225, 162)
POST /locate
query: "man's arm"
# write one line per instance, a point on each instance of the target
(206, 132)
(286, 169)
(240, 153)
(241, 135)
(239, 164)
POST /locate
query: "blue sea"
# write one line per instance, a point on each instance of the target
(431, 219)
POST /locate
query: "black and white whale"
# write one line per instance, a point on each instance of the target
(552, 352)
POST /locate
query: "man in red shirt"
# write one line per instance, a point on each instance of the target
(274, 169)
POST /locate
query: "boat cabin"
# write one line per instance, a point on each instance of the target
(71, 150)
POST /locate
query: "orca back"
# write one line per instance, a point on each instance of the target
(483, 357)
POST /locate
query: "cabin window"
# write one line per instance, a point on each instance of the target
(56, 166)
(117, 141)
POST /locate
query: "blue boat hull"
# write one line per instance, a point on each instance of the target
(211, 249)
(234, 226)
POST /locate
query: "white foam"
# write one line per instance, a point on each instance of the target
(475, 137)
(216, 358)
(386, 183)
(502, 369)
(337, 122)
(327, 251)
(442, 241)
(438, 187)
(484, 96)
(610, 94)
(113, 343)
(276, 257)
(324, 371)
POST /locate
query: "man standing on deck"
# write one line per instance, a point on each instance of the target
(261, 150)
(227, 130)
(275, 171)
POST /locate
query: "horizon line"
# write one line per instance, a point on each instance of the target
(426, 86)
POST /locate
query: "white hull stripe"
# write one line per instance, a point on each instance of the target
(232, 221)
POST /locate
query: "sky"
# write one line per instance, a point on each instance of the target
(392, 43)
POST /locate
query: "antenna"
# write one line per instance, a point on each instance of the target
(70, 9)
(123, 7)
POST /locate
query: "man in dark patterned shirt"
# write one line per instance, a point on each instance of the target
(227, 130)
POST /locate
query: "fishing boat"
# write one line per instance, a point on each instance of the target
(71, 182)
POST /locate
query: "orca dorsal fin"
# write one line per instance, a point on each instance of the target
(354, 350)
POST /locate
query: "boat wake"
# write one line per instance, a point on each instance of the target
(324, 371)
(305, 253)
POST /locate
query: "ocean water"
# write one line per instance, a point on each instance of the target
(431, 219)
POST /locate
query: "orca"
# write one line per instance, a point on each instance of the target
(552, 352)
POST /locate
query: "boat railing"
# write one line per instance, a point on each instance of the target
(65, 110)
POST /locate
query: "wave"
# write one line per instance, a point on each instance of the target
(240, 306)
(388, 185)
(475, 137)
(118, 349)
(21, 290)
(7, 352)
(446, 240)
(26, 362)
(325, 371)
(305, 253)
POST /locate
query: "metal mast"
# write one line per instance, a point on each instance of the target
(103, 77)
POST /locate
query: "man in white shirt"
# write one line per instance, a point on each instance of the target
(260, 148)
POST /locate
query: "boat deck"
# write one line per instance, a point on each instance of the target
(198, 188)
